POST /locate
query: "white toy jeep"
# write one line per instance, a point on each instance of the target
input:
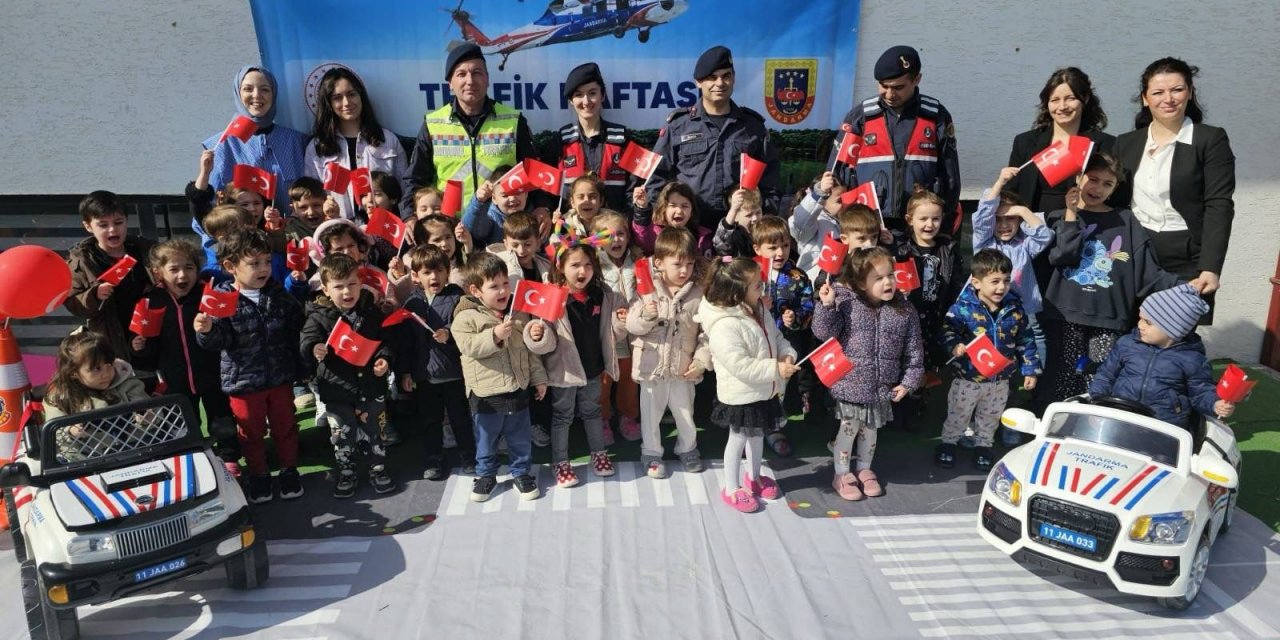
(110, 502)
(1109, 495)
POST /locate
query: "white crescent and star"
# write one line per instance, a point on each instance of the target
(823, 255)
(989, 361)
(529, 301)
(546, 179)
(828, 361)
(343, 341)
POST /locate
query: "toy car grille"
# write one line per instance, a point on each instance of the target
(1099, 524)
(135, 542)
(113, 434)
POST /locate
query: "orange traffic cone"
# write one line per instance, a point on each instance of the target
(14, 386)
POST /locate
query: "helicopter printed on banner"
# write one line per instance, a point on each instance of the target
(572, 21)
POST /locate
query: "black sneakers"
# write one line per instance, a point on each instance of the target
(983, 458)
(344, 486)
(260, 489)
(382, 483)
(290, 483)
(527, 487)
(482, 487)
(945, 455)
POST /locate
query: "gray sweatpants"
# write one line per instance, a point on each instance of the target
(568, 403)
(979, 402)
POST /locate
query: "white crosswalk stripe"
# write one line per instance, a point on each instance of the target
(308, 580)
(629, 487)
(954, 585)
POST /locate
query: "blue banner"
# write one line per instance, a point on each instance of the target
(794, 61)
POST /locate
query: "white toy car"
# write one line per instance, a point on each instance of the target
(1108, 495)
(110, 502)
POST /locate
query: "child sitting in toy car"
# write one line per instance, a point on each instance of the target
(89, 377)
(1162, 363)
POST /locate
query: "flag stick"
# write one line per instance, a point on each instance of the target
(1025, 164)
(824, 343)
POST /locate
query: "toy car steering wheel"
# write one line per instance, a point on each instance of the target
(1122, 404)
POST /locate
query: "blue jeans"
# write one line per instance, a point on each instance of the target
(515, 426)
(1038, 334)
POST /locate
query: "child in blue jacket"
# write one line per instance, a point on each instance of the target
(990, 306)
(1162, 363)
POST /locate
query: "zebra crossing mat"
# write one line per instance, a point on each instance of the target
(913, 486)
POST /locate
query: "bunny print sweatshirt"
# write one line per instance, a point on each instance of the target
(1103, 264)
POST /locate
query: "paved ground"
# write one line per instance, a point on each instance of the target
(631, 557)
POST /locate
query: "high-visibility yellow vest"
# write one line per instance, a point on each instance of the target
(458, 156)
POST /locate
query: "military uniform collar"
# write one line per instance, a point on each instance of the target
(909, 110)
(735, 112)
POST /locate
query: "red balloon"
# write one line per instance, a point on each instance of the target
(34, 281)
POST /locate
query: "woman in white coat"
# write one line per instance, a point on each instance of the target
(347, 133)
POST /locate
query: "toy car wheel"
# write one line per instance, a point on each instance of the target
(43, 621)
(1229, 516)
(15, 531)
(249, 569)
(1195, 578)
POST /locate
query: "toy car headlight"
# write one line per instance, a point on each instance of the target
(1163, 528)
(1003, 483)
(91, 548)
(206, 515)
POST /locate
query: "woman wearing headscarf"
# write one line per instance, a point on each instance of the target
(347, 133)
(272, 146)
(1180, 176)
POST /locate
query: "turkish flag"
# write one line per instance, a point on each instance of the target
(864, 194)
(146, 321)
(1063, 159)
(985, 357)
(345, 343)
(906, 276)
(850, 145)
(385, 225)
(241, 127)
(402, 314)
(644, 277)
(542, 299)
(118, 271)
(451, 203)
(361, 184)
(516, 181)
(639, 161)
(336, 177)
(1235, 385)
(750, 172)
(297, 254)
(219, 304)
(251, 178)
(766, 268)
(829, 362)
(832, 256)
(373, 279)
(543, 176)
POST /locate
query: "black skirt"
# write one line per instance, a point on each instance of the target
(752, 420)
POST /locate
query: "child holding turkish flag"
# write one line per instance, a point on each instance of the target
(104, 289)
(989, 306)
(1162, 363)
(733, 234)
(259, 361)
(354, 395)
(619, 399)
(185, 367)
(577, 350)
(879, 333)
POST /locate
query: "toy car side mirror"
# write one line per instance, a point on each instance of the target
(1215, 470)
(1019, 420)
(15, 474)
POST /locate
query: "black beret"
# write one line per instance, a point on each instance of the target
(459, 55)
(711, 61)
(582, 74)
(897, 61)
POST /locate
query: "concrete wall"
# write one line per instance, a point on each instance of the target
(120, 95)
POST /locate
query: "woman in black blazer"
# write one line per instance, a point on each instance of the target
(1068, 107)
(1187, 207)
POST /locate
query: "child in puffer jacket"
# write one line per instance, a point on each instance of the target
(879, 333)
(669, 351)
(1162, 363)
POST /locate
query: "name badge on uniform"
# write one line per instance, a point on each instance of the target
(690, 136)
